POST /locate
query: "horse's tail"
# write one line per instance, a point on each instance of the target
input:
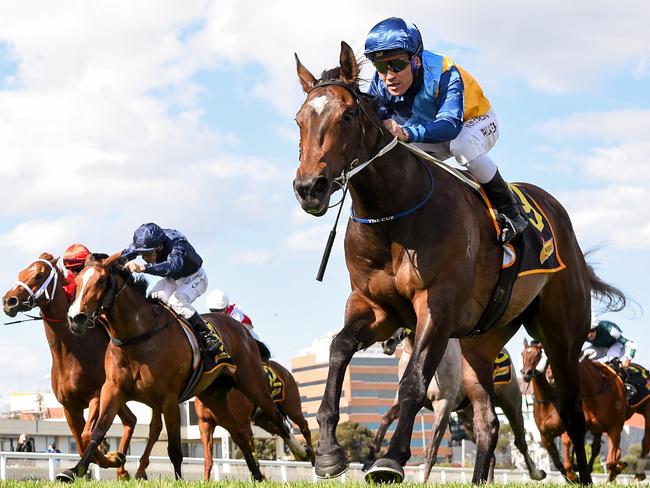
(613, 298)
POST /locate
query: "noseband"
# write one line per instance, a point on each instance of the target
(34, 296)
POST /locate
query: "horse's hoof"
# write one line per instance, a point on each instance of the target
(141, 475)
(385, 471)
(66, 476)
(538, 475)
(116, 457)
(639, 476)
(123, 475)
(331, 464)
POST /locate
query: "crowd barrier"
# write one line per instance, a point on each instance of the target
(43, 466)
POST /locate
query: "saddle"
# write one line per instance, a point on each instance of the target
(202, 362)
(534, 251)
(636, 380)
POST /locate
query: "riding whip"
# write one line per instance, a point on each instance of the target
(330, 241)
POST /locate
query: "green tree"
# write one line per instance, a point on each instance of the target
(504, 459)
(264, 449)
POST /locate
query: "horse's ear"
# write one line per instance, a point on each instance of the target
(349, 66)
(307, 80)
(525, 342)
(47, 256)
(109, 261)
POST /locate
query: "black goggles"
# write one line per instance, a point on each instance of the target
(395, 65)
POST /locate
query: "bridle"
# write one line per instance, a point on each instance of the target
(34, 296)
(110, 293)
(352, 168)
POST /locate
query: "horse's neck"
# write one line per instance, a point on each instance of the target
(54, 314)
(131, 314)
(542, 389)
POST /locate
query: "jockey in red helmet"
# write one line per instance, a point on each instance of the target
(74, 258)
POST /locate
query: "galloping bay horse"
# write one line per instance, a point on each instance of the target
(77, 363)
(149, 359)
(446, 394)
(604, 407)
(422, 253)
(235, 418)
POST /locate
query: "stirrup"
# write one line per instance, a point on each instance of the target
(510, 228)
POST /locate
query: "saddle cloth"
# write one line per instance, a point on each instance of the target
(202, 362)
(276, 385)
(534, 251)
(502, 369)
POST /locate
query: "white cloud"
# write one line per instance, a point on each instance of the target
(310, 239)
(257, 257)
(32, 236)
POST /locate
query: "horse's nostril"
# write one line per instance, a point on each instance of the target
(11, 302)
(80, 318)
(320, 185)
(302, 189)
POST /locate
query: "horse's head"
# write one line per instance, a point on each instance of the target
(36, 285)
(96, 289)
(531, 356)
(331, 132)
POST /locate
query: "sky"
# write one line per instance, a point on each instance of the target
(116, 113)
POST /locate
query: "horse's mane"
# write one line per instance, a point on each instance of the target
(136, 282)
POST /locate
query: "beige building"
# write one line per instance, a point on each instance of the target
(369, 389)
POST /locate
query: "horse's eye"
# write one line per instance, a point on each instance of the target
(101, 280)
(347, 116)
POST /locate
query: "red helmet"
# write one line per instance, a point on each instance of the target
(75, 256)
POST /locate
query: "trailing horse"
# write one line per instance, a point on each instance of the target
(446, 394)
(423, 253)
(150, 360)
(77, 372)
(235, 417)
(604, 407)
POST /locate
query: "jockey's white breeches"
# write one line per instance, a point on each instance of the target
(179, 294)
(471, 146)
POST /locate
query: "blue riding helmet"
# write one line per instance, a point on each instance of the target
(391, 36)
(148, 237)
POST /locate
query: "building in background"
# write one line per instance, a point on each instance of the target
(369, 389)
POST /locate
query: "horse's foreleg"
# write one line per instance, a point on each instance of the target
(109, 404)
(331, 460)
(388, 418)
(155, 427)
(77, 423)
(614, 464)
(128, 421)
(548, 443)
(430, 344)
(441, 409)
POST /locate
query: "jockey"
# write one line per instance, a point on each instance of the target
(425, 98)
(218, 301)
(606, 340)
(167, 253)
(74, 258)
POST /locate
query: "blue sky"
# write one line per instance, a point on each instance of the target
(120, 114)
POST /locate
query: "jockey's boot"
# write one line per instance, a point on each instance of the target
(209, 342)
(513, 222)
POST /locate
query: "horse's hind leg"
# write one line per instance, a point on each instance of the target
(206, 427)
(639, 472)
(595, 450)
(294, 412)
(172, 414)
(388, 418)
(235, 421)
(614, 464)
(508, 397)
(568, 458)
(155, 427)
(441, 409)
